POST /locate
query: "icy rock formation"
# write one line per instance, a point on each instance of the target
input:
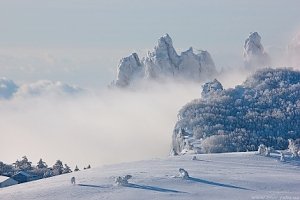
(129, 69)
(211, 88)
(164, 62)
(7, 88)
(254, 54)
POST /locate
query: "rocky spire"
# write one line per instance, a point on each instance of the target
(254, 54)
(129, 69)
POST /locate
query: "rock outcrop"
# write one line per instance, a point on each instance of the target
(164, 62)
(255, 56)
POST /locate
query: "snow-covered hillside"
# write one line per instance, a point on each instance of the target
(265, 109)
(212, 176)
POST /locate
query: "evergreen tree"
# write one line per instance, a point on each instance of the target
(23, 165)
(66, 169)
(58, 167)
(41, 164)
(76, 169)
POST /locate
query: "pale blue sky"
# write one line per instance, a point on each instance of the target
(81, 41)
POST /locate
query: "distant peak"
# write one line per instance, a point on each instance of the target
(254, 36)
(165, 39)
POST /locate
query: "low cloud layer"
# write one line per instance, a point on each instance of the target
(108, 127)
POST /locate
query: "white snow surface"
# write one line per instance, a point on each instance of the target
(212, 176)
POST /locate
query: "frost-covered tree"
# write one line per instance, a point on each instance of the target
(262, 149)
(293, 148)
(268, 151)
(41, 164)
(265, 109)
(76, 169)
(58, 168)
(23, 165)
(66, 169)
(6, 169)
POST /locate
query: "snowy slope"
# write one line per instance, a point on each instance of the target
(213, 176)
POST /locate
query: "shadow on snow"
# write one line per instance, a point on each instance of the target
(215, 183)
(147, 187)
(95, 186)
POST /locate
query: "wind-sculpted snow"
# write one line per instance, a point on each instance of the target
(265, 109)
(163, 62)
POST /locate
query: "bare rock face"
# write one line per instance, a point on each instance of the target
(254, 53)
(164, 62)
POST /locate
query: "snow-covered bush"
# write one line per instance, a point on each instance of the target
(268, 151)
(282, 157)
(183, 173)
(122, 180)
(76, 169)
(265, 109)
(262, 149)
(294, 148)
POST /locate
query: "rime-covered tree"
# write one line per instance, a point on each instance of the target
(6, 169)
(76, 169)
(265, 109)
(41, 164)
(23, 165)
(66, 169)
(58, 167)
